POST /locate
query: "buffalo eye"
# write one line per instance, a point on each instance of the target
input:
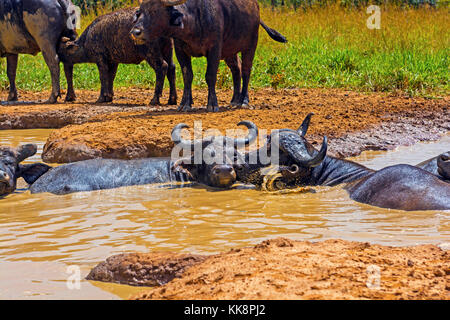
(9, 163)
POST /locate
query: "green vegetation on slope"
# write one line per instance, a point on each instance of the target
(329, 46)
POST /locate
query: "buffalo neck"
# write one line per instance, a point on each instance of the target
(333, 171)
(193, 28)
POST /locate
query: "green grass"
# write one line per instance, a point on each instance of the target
(328, 47)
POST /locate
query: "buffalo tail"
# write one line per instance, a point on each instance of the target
(274, 34)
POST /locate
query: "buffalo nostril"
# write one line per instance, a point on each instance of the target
(4, 176)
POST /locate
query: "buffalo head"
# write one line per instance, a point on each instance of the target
(11, 169)
(297, 157)
(217, 159)
(70, 51)
(443, 163)
(155, 18)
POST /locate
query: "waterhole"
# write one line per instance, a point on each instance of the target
(45, 238)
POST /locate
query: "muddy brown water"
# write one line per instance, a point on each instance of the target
(44, 238)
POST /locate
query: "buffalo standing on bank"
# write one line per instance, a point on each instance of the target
(31, 26)
(107, 43)
(215, 29)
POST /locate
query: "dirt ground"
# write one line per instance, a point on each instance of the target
(286, 269)
(128, 128)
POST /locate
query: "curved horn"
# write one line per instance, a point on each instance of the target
(187, 144)
(305, 125)
(26, 151)
(252, 134)
(314, 162)
(171, 3)
(291, 143)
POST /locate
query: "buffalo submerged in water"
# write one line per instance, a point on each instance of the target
(99, 174)
(405, 187)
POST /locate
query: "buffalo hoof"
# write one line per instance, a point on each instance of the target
(244, 102)
(104, 99)
(212, 108)
(12, 96)
(155, 102)
(184, 108)
(70, 98)
(52, 100)
(172, 101)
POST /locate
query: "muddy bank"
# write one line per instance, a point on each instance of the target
(143, 269)
(31, 112)
(286, 269)
(127, 129)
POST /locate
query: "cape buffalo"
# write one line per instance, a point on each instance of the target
(215, 29)
(439, 166)
(98, 174)
(402, 187)
(106, 42)
(31, 26)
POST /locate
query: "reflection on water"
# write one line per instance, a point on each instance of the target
(40, 235)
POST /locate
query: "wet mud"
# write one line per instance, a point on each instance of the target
(128, 128)
(285, 269)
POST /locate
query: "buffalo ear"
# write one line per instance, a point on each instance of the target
(185, 166)
(26, 151)
(176, 18)
(31, 172)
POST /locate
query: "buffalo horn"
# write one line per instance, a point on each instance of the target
(188, 144)
(252, 134)
(305, 125)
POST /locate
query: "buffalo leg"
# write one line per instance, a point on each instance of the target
(235, 66)
(247, 62)
(68, 71)
(211, 77)
(171, 77)
(103, 70)
(112, 71)
(11, 70)
(47, 42)
(188, 76)
(160, 67)
(52, 61)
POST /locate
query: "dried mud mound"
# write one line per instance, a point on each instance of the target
(143, 269)
(286, 269)
(353, 122)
